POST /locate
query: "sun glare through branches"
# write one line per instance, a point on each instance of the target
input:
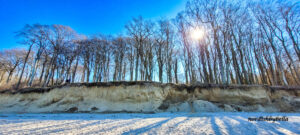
(197, 33)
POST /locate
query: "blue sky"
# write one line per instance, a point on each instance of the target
(84, 16)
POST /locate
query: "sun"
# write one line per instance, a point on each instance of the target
(197, 33)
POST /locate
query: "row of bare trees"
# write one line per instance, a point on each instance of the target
(247, 42)
(242, 43)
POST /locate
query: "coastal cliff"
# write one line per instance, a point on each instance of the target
(150, 97)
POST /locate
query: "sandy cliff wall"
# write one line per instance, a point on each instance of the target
(150, 97)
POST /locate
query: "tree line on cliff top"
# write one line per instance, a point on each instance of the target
(242, 43)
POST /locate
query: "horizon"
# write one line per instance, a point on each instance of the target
(101, 17)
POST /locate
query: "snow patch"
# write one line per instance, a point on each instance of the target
(205, 106)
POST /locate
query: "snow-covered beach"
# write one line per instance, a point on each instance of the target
(159, 123)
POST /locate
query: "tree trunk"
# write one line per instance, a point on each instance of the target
(24, 65)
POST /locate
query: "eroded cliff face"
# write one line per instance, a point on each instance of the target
(150, 97)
